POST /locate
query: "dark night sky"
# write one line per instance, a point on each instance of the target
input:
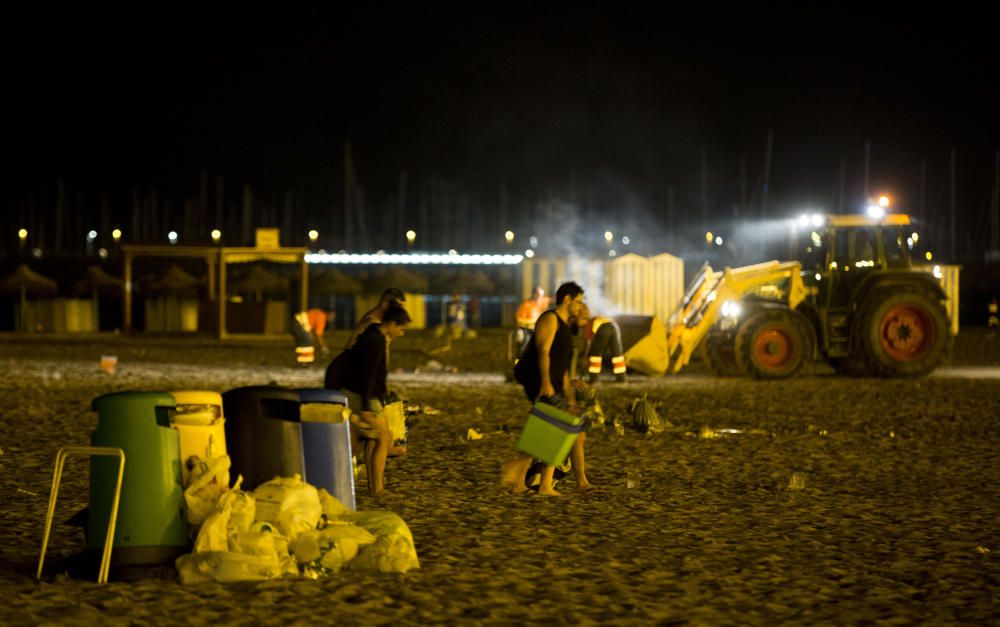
(625, 98)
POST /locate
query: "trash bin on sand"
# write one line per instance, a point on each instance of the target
(151, 526)
(263, 433)
(199, 421)
(326, 442)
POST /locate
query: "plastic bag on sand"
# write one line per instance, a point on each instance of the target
(233, 513)
(332, 547)
(209, 481)
(290, 503)
(393, 550)
(226, 566)
(332, 506)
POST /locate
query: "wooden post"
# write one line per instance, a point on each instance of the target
(767, 173)
(704, 190)
(951, 228)
(868, 150)
(222, 294)
(127, 288)
(348, 195)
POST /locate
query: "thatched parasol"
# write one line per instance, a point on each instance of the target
(402, 278)
(462, 282)
(334, 282)
(259, 281)
(26, 281)
(175, 279)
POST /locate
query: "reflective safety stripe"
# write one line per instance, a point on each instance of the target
(594, 365)
(618, 364)
(305, 354)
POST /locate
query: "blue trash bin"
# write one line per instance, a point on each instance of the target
(263, 433)
(326, 443)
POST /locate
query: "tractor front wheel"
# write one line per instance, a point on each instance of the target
(771, 345)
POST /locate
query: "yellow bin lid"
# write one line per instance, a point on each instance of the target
(197, 397)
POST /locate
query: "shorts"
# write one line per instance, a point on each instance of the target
(354, 402)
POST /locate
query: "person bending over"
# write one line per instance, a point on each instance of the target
(360, 372)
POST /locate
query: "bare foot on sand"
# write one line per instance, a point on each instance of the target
(589, 488)
(549, 492)
(511, 478)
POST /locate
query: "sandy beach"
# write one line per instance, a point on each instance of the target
(891, 516)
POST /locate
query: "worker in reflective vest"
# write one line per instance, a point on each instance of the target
(603, 339)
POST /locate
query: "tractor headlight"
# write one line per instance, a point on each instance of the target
(731, 309)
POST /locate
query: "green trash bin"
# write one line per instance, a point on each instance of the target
(151, 527)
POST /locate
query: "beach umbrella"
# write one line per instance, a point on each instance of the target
(259, 281)
(461, 282)
(334, 282)
(26, 281)
(402, 278)
(175, 279)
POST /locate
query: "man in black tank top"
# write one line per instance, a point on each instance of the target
(543, 371)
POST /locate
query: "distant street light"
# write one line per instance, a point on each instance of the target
(22, 234)
(91, 236)
(509, 236)
(313, 235)
(718, 241)
(529, 253)
(411, 236)
(612, 253)
(172, 236)
(116, 235)
(709, 237)
(928, 256)
(626, 240)
(608, 236)
(883, 201)
(216, 236)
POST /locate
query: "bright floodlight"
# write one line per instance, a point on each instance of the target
(216, 235)
(883, 201)
(876, 212)
(116, 234)
(92, 235)
(803, 220)
(816, 219)
(411, 235)
(608, 236)
(718, 241)
(509, 236)
(313, 235)
(172, 236)
(22, 233)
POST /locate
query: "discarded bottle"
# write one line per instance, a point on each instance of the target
(797, 481)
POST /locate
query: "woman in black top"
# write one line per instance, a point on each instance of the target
(362, 369)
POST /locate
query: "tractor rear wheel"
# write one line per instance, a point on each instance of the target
(771, 345)
(903, 334)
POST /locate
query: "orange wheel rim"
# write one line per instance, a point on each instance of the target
(906, 333)
(773, 348)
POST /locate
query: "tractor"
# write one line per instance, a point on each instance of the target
(854, 298)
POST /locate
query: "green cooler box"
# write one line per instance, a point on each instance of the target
(550, 433)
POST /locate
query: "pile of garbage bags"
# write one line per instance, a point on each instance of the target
(285, 527)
